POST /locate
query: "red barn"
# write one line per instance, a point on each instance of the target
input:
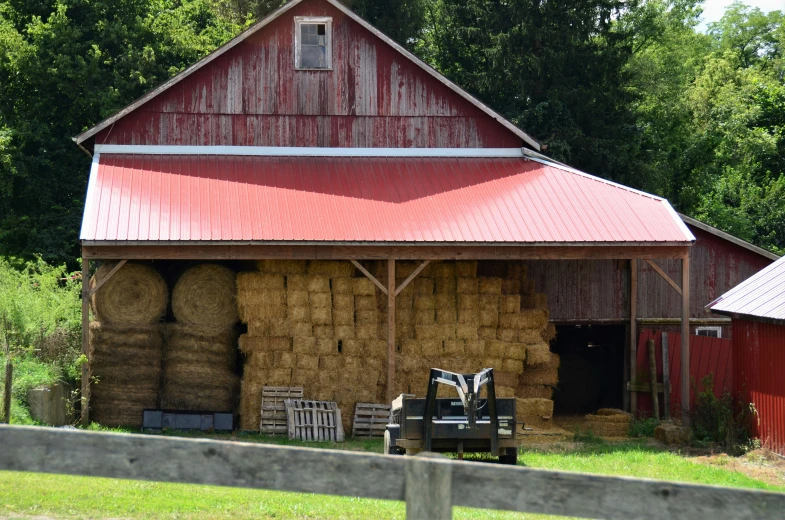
(757, 307)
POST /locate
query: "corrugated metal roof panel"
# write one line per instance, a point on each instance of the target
(365, 199)
(761, 295)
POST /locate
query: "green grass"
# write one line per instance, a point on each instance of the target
(57, 496)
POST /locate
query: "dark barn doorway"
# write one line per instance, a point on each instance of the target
(591, 374)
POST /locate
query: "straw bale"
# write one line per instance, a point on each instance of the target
(506, 335)
(298, 314)
(493, 362)
(445, 287)
(193, 397)
(540, 376)
(515, 351)
(512, 365)
(343, 302)
(529, 336)
(505, 378)
(352, 363)
(469, 317)
(489, 317)
(122, 374)
(297, 298)
(376, 347)
(490, 301)
(423, 286)
(317, 284)
(250, 312)
(466, 269)
(114, 417)
(268, 328)
(423, 332)
(366, 317)
(467, 286)
(538, 354)
(549, 334)
(485, 333)
(206, 295)
(331, 268)
(135, 295)
(448, 331)
(364, 303)
(141, 336)
(609, 429)
(365, 331)
(353, 347)
(279, 377)
(534, 391)
(511, 320)
(426, 317)
(510, 303)
(320, 301)
(495, 348)
(196, 339)
(259, 361)
(324, 347)
(474, 348)
(671, 434)
(454, 347)
(363, 287)
(198, 375)
(330, 362)
(369, 379)
(534, 318)
(300, 329)
(282, 266)
(411, 347)
(410, 364)
(342, 286)
(466, 331)
(344, 318)
(307, 378)
(609, 415)
(404, 331)
(284, 359)
(447, 301)
(468, 301)
(444, 315)
(131, 393)
(534, 407)
(323, 331)
(344, 331)
(424, 302)
(511, 287)
(321, 316)
(250, 404)
(490, 285)
(297, 282)
(254, 282)
(307, 362)
(431, 347)
(374, 363)
(505, 392)
(251, 344)
(534, 301)
(404, 316)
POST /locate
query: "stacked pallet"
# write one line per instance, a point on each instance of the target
(310, 324)
(200, 358)
(126, 344)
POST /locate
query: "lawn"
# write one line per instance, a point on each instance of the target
(56, 496)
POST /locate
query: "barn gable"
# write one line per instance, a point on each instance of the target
(249, 93)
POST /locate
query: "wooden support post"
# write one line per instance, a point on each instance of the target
(685, 341)
(666, 377)
(390, 330)
(85, 417)
(633, 334)
(428, 491)
(653, 378)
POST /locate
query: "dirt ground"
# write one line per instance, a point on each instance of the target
(760, 464)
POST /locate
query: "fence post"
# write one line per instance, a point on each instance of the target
(428, 487)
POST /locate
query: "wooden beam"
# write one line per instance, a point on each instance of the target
(653, 378)
(664, 275)
(85, 402)
(633, 334)
(428, 487)
(411, 277)
(645, 387)
(375, 252)
(685, 341)
(390, 329)
(102, 281)
(666, 377)
(370, 475)
(364, 271)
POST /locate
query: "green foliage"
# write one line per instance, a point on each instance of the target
(587, 436)
(643, 427)
(717, 419)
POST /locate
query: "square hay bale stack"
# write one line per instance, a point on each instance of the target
(323, 331)
(365, 303)
(513, 365)
(317, 284)
(363, 287)
(353, 348)
(329, 363)
(284, 359)
(474, 348)
(534, 391)
(253, 282)
(486, 333)
(549, 334)
(466, 269)
(369, 317)
(490, 285)
(343, 309)
(422, 286)
(376, 364)
(331, 268)
(515, 351)
(454, 347)
(259, 361)
(467, 331)
(505, 378)
(327, 347)
(534, 412)
(495, 348)
(467, 286)
(297, 282)
(344, 331)
(511, 287)
(367, 331)
(445, 315)
(505, 392)
(376, 348)
(296, 298)
(302, 329)
(510, 303)
(342, 286)
(540, 376)
(506, 335)
(273, 328)
(443, 269)
(468, 301)
(445, 286)
(261, 311)
(352, 364)
(282, 266)
(250, 405)
(307, 362)
(424, 302)
(529, 336)
(251, 344)
(538, 354)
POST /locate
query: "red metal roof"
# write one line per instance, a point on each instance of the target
(761, 295)
(365, 199)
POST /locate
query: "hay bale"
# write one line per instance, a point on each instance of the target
(443, 270)
(376, 347)
(297, 282)
(426, 317)
(424, 303)
(307, 362)
(533, 319)
(540, 376)
(534, 407)
(610, 415)
(671, 434)
(489, 317)
(367, 331)
(505, 378)
(466, 269)
(259, 361)
(297, 298)
(444, 315)
(468, 301)
(206, 295)
(353, 347)
(321, 315)
(486, 333)
(133, 393)
(251, 312)
(135, 295)
(331, 268)
(510, 303)
(534, 391)
(342, 286)
(301, 329)
(411, 348)
(194, 397)
(126, 375)
(323, 331)
(198, 375)
(352, 363)
(250, 405)
(282, 266)
(364, 303)
(474, 348)
(273, 328)
(490, 285)
(507, 335)
(366, 317)
(422, 286)
(363, 287)
(511, 287)
(445, 301)
(446, 287)
(549, 334)
(317, 285)
(279, 377)
(466, 331)
(410, 364)
(424, 332)
(298, 315)
(538, 354)
(374, 363)
(344, 331)
(515, 351)
(326, 347)
(454, 347)
(495, 348)
(343, 302)
(255, 282)
(512, 365)
(284, 359)
(467, 286)
(505, 392)
(251, 344)
(529, 336)
(330, 362)
(494, 363)
(534, 301)
(320, 301)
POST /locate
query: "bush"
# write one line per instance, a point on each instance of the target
(643, 427)
(719, 420)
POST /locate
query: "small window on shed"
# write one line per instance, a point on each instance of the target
(712, 332)
(313, 43)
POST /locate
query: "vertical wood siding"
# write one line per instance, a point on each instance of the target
(758, 361)
(598, 289)
(253, 96)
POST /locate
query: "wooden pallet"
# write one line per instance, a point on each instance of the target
(314, 420)
(370, 420)
(274, 407)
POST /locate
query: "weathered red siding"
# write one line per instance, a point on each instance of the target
(589, 290)
(759, 363)
(253, 96)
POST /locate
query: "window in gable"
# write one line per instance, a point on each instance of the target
(313, 43)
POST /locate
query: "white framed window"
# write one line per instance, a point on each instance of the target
(313, 41)
(712, 332)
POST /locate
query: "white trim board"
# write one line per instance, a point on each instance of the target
(252, 30)
(305, 151)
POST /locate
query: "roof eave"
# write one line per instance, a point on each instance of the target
(727, 236)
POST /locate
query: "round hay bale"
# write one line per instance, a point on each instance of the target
(186, 338)
(135, 295)
(134, 393)
(206, 295)
(126, 374)
(198, 376)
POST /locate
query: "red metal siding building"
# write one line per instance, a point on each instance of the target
(757, 307)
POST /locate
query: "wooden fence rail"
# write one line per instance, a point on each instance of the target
(430, 486)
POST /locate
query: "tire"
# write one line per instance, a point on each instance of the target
(510, 457)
